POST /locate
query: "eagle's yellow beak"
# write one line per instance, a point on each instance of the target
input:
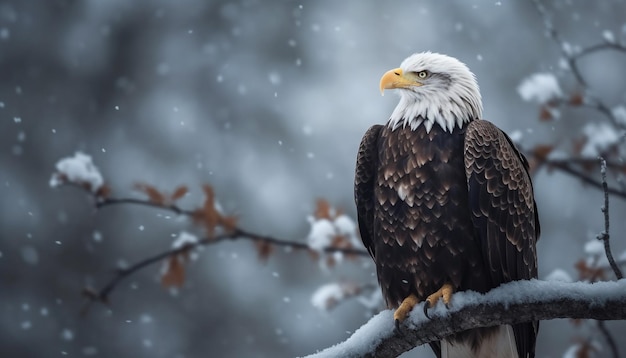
(396, 79)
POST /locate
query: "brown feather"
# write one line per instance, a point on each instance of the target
(504, 213)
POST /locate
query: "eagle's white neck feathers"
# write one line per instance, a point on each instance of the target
(449, 96)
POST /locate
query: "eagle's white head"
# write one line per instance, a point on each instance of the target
(434, 88)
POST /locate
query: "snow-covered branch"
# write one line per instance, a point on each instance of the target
(515, 302)
(332, 237)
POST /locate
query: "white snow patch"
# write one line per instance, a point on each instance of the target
(594, 247)
(567, 48)
(608, 36)
(559, 275)
(600, 136)
(78, 169)
(324, 232)
(374, 301)
(183, 239)
(363, 340)
(347, 227)
(558, 154)
(540, 87)
(516, 136)
(327, 296)
(619, 113)
(321, 234)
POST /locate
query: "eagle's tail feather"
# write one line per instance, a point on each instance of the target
(500, 343)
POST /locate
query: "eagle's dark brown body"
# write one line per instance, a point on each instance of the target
(447, 207)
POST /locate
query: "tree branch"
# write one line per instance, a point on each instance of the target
(103, 294)
(609, 338)
(604, 235)
(565, 165)
(571, 57)
(515, 302)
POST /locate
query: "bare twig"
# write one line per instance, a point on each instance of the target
(572, 56)
(103, 294)
(604, 235)
(235, 233)
(609, 338)
(102, 203)
(565, 165)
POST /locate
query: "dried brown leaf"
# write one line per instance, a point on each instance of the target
(103, 192)
(179, 193)
(578, 144)
(541, 151)
(576, 321)
(208, 215)
(341, 242)
(229, 223)
(86, 185)
(585, 349)
(586, 272)
(576, 99)
(264, 249)
(330, 261)
(174, 272)
(153, 194)
(533, 165)
(545, 114)
(322, 210)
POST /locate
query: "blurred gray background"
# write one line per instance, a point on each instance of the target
(267, 101)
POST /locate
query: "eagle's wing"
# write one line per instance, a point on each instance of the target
(503, 212)
(365, 174)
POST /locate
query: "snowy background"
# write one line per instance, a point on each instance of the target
(267, 101)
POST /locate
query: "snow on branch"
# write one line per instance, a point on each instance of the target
(78, 170)
(330, 245)
(515, 302)
(540, 87)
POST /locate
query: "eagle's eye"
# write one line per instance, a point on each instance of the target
(422, 74)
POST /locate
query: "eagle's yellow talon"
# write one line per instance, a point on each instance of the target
(405, 307)
(444, 293)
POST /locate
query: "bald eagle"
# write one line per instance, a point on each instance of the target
(445, 202)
